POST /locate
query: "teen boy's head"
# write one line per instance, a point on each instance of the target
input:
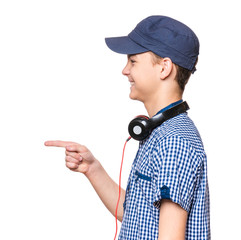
(165, 38)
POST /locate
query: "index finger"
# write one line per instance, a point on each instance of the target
(58, 143)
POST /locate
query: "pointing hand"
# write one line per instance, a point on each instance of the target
(78, 157)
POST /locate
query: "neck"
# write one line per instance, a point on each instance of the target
(156, 105)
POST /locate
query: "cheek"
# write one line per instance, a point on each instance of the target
(149, 80)
(146, 78)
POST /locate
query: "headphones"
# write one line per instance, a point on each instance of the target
(141, 126)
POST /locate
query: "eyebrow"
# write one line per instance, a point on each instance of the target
(130, 55)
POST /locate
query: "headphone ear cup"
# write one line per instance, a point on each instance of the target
(139, 128)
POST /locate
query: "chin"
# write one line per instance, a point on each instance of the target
(134, 97)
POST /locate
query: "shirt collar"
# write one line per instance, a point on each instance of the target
(170, 106)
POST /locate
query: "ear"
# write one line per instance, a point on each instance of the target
(166, 68)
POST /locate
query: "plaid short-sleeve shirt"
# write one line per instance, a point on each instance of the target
(170, 164)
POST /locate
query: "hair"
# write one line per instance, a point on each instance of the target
(182, 75)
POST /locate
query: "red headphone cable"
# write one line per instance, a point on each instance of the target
(119, 194)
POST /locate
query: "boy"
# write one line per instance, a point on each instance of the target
(167, 192)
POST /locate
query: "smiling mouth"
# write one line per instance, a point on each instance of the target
(131, 82)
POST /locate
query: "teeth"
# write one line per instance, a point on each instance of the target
(132, 83)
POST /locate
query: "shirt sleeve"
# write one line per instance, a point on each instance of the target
(175, 165)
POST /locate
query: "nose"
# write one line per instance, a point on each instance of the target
(126, 69)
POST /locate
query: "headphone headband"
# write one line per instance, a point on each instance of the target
(142, 126)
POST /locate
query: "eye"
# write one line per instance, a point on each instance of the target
(132, 61)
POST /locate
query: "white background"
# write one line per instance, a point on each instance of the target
(60, 81)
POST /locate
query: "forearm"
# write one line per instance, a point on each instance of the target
(106, 189)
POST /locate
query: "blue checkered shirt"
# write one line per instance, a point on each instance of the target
(170, 164)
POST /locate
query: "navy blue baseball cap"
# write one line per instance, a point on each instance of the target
(162, 35)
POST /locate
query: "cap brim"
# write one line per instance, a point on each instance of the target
(124, 45)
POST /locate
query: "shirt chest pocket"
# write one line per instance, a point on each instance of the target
(144, 183)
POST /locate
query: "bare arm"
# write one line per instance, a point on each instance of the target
(172, 221)
(80, 159)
